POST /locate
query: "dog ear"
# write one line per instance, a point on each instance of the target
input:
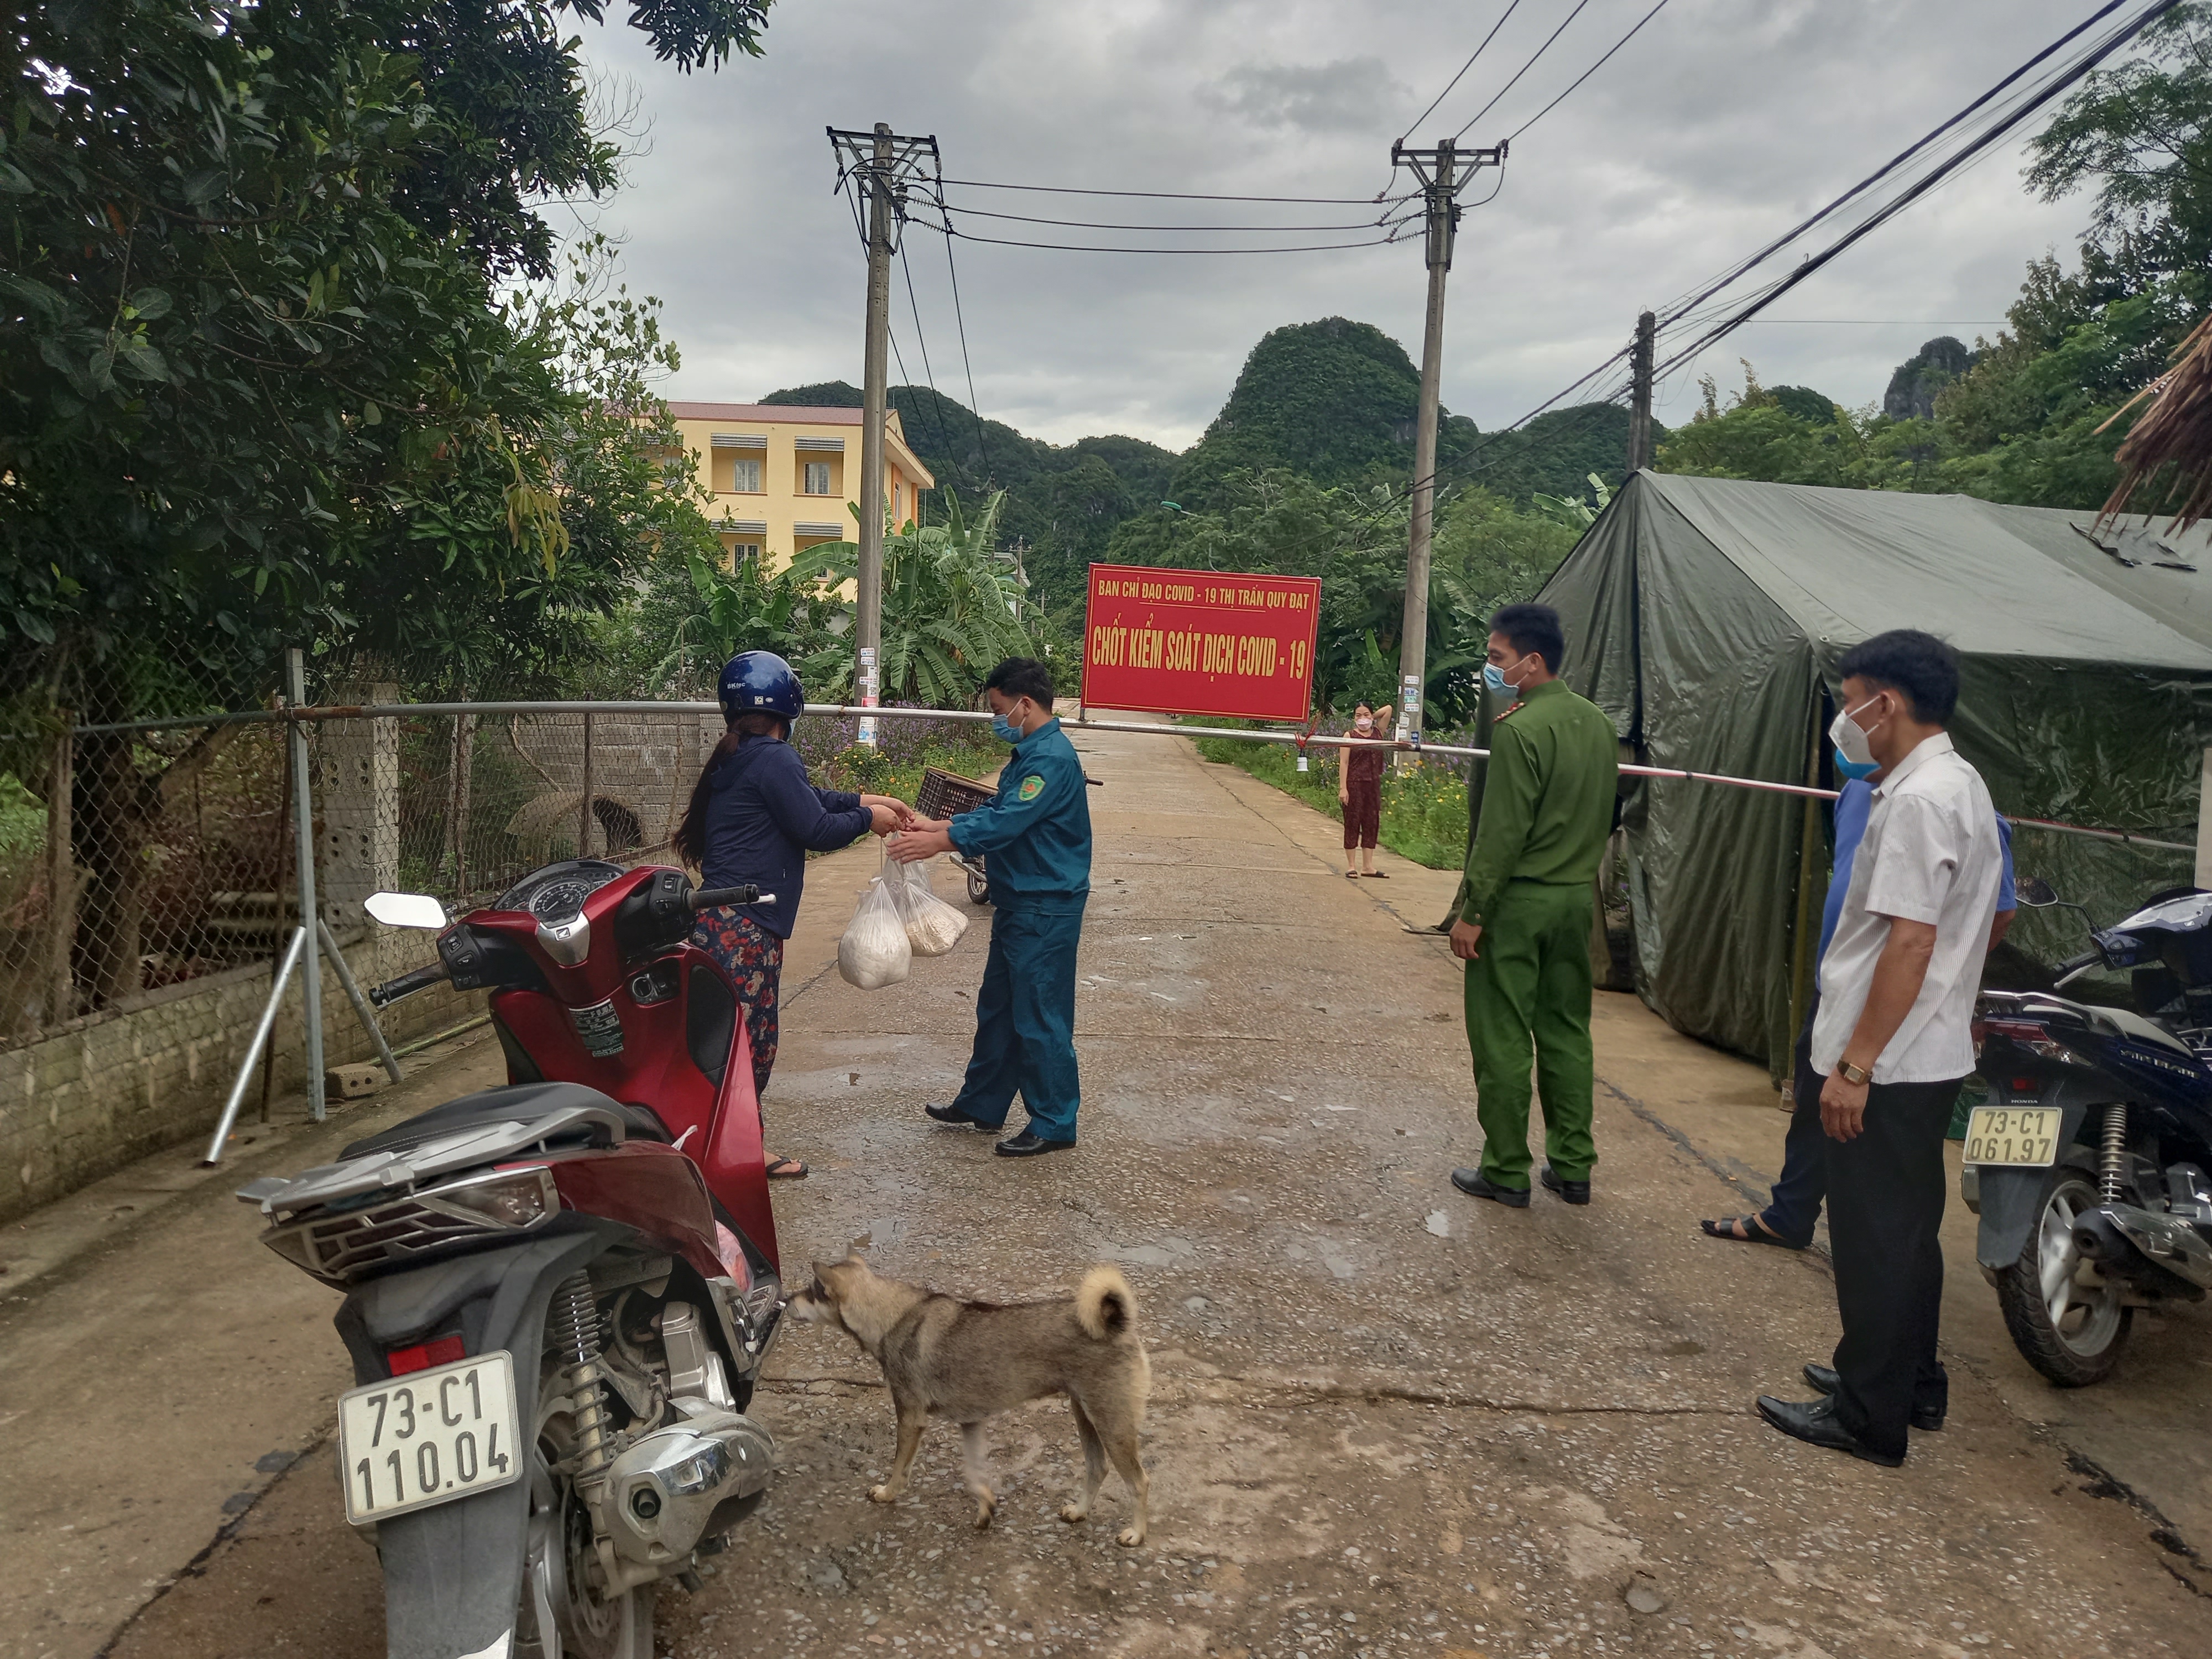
(822, 1270)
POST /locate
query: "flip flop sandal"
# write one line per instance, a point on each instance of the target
(1745, 1229)
(1352, 875)
(786, 1169)
(1376, 875)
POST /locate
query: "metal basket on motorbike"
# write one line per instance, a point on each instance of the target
(943, 794)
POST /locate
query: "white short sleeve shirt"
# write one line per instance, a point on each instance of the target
(1931, 855)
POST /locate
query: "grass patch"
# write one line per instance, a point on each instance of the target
(1424, 810)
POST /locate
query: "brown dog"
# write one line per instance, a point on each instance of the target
(966, 1360)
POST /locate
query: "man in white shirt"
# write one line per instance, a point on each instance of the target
(1893, 1041)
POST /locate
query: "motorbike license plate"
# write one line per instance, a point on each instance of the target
(2022, 1136)
(428, 1437)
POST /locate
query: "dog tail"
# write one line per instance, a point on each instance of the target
(1105, 1306)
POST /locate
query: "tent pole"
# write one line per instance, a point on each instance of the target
(1803, 965)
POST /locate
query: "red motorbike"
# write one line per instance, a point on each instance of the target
(558, 1293)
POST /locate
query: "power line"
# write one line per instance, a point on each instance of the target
(951, 231)
(1092, 224)
(1380, 196)
(937, 398)
(1455, 79)
(2028, 105)
(1675, 313)
(1523, 71)
(982, 445)
(1587, 73)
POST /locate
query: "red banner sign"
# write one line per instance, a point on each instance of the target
(1200, 642)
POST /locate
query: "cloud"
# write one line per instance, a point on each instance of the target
(1345, 96)
(1723, 122)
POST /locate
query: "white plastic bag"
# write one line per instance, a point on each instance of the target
(933, 927)
(874, 952)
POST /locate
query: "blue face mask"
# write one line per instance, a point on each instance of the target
(1005, 730)
(1848, 768)
(1493, 676)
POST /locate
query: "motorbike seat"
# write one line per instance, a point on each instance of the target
(514, 1103)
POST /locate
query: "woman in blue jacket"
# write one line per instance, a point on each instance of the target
(753, 817)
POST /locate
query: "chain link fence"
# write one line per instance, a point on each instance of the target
(138, 856)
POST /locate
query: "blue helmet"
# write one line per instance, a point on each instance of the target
(760, 682)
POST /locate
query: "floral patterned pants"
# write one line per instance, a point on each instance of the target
(753, 959)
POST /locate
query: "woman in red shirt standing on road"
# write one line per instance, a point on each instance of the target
(1359, 789)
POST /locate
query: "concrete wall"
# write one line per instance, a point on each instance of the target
(100, 1091)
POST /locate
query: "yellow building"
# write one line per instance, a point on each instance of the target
(781, 474)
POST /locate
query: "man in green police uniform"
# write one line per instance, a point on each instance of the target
(1037, 835)
(1524, 922)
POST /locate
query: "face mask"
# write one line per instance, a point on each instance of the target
(1850, 740)
(1004, 729)
(1493, 676)
(1848, 768)
(1365, 723)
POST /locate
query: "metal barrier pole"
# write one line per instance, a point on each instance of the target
(253, 1050)
(303, 830)
(353, 994)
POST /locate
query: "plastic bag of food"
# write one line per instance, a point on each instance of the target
(933, 927)
(874, 952)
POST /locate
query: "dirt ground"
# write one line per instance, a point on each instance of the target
(1386, 1419)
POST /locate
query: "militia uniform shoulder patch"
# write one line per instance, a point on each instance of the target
(1032, 787)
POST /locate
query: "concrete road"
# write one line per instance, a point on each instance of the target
(1386, 1419)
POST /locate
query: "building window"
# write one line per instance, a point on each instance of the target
(745, 476)
(898, 506)
(818, 478)
(743, 553)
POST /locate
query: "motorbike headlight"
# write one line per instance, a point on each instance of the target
(514, 1199)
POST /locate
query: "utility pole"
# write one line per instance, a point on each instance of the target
(1639, 403)
(882, 162)
(1444, 173)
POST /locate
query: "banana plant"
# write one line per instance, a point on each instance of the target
(952, 609)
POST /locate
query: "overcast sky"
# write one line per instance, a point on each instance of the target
(1722, 124)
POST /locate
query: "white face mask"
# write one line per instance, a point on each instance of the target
(1365, 723)
(1850, 738)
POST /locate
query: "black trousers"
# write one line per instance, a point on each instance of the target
(1885, 1210)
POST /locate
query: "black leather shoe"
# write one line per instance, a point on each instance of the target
(1031, 1143)
(1824, 1379)
(1474, 1185)
(953, 1118)
(1574, 1192)
(1815, 1424)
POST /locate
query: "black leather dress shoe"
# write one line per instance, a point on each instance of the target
(1824, 1379)
(953, 1118)
(1474, 1185)
(1574, 1192)
(1031, 1143)
(1815, 1425)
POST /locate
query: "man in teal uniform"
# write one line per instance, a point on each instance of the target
(1525, 923)
(1036, 836)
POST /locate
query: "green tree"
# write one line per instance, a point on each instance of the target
(255, 388)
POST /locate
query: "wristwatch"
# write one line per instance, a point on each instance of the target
(1856, 1076)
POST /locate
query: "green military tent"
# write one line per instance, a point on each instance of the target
(1706, 615)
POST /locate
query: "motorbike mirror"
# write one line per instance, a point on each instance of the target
(406, 911)
(2033, 890)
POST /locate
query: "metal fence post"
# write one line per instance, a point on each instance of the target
(584, 816)
(303, 829)
(60, 878)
